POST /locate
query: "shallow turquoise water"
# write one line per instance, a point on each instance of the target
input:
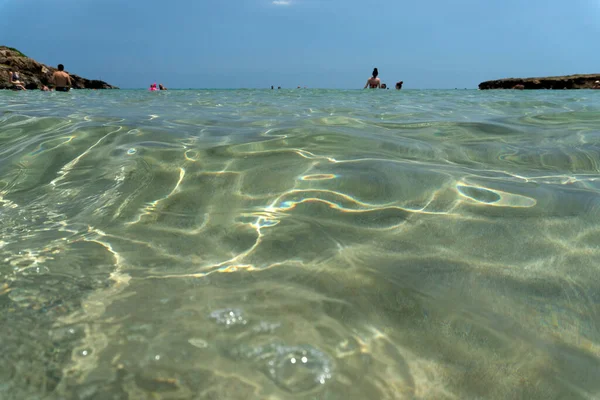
(300, 244)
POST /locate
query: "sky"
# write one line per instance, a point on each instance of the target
(428, 44)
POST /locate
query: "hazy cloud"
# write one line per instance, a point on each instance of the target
(282, 2)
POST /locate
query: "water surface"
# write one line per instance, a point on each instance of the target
(300, 244)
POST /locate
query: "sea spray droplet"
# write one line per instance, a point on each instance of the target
(299, 368)
(229, 317)
(295, 369)
(265, 327)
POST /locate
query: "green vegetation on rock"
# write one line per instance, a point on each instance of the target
(16, 51)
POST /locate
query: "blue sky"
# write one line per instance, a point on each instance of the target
(314, 43)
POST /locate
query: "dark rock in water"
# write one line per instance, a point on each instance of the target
(551, 82)
(34, 74)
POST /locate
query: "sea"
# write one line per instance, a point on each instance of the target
(300, 244)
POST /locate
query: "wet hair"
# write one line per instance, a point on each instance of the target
(375, 72)
(61, 67)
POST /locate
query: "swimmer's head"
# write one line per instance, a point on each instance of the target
(61, 67)
(375, 72)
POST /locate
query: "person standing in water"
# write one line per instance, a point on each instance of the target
(61, 79)
(373, 82)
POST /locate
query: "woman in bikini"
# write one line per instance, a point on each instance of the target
(373, 81)
(15, 80)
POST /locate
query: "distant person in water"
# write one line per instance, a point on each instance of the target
(383, 86)
(161, 87)
(153, 87)
(61, 79)
(45, 88)
(15, 80)
(399, 85)
(373, 82)
(596, 85)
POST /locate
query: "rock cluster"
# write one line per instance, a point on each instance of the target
(34, 74)
(551, 82)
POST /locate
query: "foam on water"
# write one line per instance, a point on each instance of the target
(257, 244)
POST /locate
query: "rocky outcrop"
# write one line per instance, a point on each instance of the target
(551, 82)
(35, 74)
